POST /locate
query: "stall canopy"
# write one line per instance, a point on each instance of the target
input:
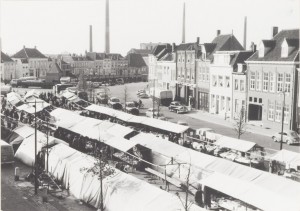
(254, 194)
(120, 143)
(151, 122)
(13, 98)
(120, 190)
(25, 152)
(32, 93)
(206, 165)
(65, 118)
(19, 134)
(291, 159)
(235, 144)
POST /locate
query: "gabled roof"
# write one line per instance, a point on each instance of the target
(226, 42)
(5, 58)
(29, 53)
(274, 54)
(143, 52)
(112, 56)
(167, 57)
(81, 58)
(135, 60)
(157, 49)
(54, 67)
(240, 58)
(186, 46)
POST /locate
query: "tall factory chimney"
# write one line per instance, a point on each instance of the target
(183, 24)
(91, 38)
(245, 33)
(107, 27)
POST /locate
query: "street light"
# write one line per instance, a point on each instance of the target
(282, 120)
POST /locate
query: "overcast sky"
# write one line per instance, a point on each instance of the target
(63, 26)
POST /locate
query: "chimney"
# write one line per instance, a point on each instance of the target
(91, 38)
(107, 47)
(23, 46)
(253, 47)
(245, 33)
(183, 24)
(274, 31)
(198, 40)
(173, 47)
(218, 32)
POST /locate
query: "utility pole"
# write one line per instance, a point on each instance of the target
(35, 150)
(282, 120)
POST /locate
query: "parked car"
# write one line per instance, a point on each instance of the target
(131, 108)
(96, 84)
(14, 82)
(120, 81)
(150, 111)
(182, 110)
(143, 95)
(140, 91)
(289, 137)
(174, 105)
(114, 103)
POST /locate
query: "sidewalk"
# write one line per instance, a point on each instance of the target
(251, 127)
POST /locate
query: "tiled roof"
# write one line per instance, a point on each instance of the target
(29, 53)
(240, 57)
(112, 56)
(135, 60)
(158, 49)
(81, 58)
(274, 54)
(223, 43)
(5, 58)
(143, 52)
(167, 57)
(185, 46)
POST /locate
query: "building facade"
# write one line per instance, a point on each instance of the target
(137, 67)
(203, 62)
(273, 80)
(38, 63)
(221, 83)
(7, 68)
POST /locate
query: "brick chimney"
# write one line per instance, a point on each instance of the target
(218, 32)
(274, 31)
(198, 40)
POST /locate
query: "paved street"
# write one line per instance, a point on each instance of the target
(193, 122)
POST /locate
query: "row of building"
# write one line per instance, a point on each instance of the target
(221, 77)
(31, 62)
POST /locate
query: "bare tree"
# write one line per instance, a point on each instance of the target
(185, 202)
(240, 123)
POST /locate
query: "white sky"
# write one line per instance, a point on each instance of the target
(59, 26)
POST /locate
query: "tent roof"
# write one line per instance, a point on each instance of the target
(29, 108)
(32, 93)
(236, 144)
(101, 109)
(13, 98)
(65, 118)
(165, 125)
(119, 130)
(290, 158)
(252, 193)
(120, 143)
(3, 143)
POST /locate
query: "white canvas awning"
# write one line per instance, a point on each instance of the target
(32, 93)
(65, 118)
(235, 144)
(13, 98)
(165, 125)
(119, 130)
(103, 110)
(291, 159)
(120, 143)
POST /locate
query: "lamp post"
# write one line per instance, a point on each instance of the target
(282, 120)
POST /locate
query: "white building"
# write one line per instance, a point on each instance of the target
(7, 67)
(38, 63)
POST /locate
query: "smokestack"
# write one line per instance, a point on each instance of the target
(245, 33)
(274, 31)
(198, 40)
(218, 32)
(107, 27)
(183, 24)
(91, 38)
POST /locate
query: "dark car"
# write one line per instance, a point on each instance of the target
(174, 106)
(115, 103)
(132, 108)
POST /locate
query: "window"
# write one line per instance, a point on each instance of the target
(214, 80)
(279, 82)
(250, 99)
(236, 84)
(271, 111)
(259, 100)
(287, 84)
(272, 82)
(266, 82)
(227, 79)
(286, 114)
(220, 81)
(242, 85)
(236, 105)
(278, 112)
(258, 81)
(243, 104)
(252, 80)
(255, 99)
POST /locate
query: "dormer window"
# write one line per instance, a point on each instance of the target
(284, 49)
